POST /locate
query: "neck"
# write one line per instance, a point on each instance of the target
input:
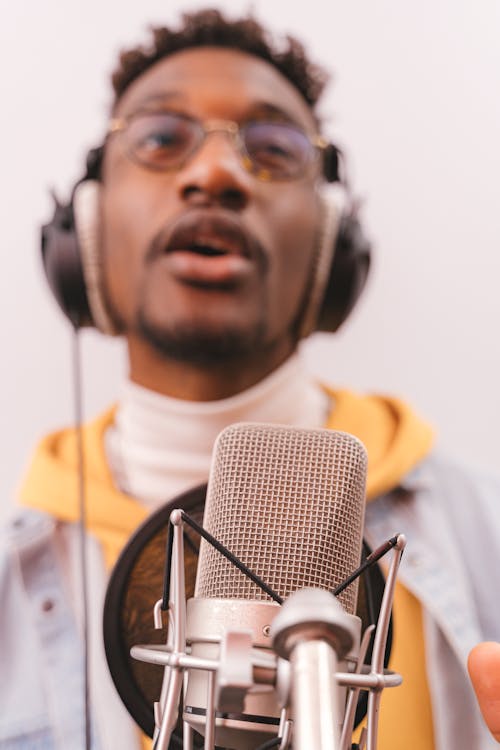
(201, 382)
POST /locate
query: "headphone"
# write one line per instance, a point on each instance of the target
(73, 265)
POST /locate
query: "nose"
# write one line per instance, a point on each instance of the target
(215, 174)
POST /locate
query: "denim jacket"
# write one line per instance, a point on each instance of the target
(452, 524)
(451, 520)
(41, 660)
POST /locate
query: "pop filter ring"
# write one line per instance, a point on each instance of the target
(118, 650)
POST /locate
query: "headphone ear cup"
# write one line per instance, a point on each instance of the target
(348, 274)
(71, 255)
(63, 265)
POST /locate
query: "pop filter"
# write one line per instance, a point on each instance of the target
(136, 584)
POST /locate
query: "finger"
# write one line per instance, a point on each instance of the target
(484, 670)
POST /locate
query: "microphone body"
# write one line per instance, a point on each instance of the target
(289, 503)
(250, 717)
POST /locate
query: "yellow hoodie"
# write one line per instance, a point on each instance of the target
(396, 441)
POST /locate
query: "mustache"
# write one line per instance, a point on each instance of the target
(222, 226)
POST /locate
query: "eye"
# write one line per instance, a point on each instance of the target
(160, 139)
(273, 148)
(270, 143)
(278, 147)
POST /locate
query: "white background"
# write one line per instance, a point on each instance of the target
(414, 100)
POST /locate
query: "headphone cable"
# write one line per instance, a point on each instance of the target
(82, 523)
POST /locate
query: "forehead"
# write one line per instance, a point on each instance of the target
(217, 82)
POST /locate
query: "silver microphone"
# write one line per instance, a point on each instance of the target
(289, 503)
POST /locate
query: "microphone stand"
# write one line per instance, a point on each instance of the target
(167, 708)
(381, 640)
(311, 635)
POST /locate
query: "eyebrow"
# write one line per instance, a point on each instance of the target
(256, 109)
(153, 99)
(272, 110)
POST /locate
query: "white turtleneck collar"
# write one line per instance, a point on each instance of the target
(159, 446)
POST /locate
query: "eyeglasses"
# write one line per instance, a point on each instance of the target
(271, 150)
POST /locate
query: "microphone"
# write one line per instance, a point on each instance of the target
(289, 503)
(285, 507)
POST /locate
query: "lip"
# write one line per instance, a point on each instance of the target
(199, 270)
(209, 247)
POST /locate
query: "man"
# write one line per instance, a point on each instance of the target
(207, 228)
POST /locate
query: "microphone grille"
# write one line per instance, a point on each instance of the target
(289, 503)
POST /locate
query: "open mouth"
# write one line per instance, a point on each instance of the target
(208, 234)
(212, 248)
(209, 251)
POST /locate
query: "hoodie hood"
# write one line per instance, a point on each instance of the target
(395, 438)
(52, 485)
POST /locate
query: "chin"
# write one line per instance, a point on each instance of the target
(201, 344)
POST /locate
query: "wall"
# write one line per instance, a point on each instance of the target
(415, 103)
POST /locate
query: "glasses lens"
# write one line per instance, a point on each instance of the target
(161, 140)
(280, 150)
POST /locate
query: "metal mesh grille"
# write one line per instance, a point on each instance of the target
(289, 503)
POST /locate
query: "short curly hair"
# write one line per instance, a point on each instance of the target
(210, 27)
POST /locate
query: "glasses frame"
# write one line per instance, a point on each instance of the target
(234, 130)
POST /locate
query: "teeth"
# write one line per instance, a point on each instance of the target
(219, 240)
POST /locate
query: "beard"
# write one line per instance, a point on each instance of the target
(193, 342)
(202, 346)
